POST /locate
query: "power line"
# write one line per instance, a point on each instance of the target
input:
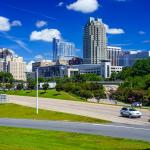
(28, 11)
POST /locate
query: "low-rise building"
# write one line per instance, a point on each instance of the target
(128, 58)
(116, 68)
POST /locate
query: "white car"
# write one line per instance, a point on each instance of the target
(130, 112)
(136, 104)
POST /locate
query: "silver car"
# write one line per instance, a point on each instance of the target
(130, 112)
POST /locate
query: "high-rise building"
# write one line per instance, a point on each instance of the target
(62, 51)
(113, 54)
(12, 64)
(17, 68)
(2, 65)
(5, 56)
(94, 42)
(4, 53)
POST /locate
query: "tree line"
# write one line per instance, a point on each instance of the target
(136, 86)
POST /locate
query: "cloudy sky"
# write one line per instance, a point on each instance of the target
(27, 27)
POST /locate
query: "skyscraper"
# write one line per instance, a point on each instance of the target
(63, 50)
(94, 42)
(5, 56)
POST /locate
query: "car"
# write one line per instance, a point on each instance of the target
(130, 112)
(136, 104)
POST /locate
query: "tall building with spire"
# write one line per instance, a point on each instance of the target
(94, 42)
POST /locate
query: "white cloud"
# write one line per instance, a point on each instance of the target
(29, 66)
(84, 6)
(46, 35)
(146, 41)
(4, 24)
(141, 33)
(114, 30)
(38, 57)
(18, 42)
(60, 4)
(23, 45)
(41, 23)
(16, 23)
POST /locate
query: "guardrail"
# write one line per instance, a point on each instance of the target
(109, 82)
(3, 98)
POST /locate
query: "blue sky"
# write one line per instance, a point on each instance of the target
(27, 27)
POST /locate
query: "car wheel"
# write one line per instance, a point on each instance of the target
(130, 116)
(122, 114)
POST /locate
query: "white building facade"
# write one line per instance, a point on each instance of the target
(17, 67)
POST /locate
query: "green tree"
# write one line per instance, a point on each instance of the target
(98, 94)
(59, 87)
(20, 86)
(6, 77)
(41, 80)
(86, 94)
(9, 86)
(125, 73)
(45, 86)
(141, 67)
(31, 84)
(114, 76)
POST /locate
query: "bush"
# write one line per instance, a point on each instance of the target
(86, 94)
(59, 87)
(45, 86)
(98, 94)
(20, 86)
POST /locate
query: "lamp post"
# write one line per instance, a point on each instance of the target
(37, 93)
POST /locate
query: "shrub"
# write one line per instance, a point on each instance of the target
(86, 94)
(20, 86)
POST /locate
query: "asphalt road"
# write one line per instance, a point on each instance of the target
(101, 111)
(113, 130)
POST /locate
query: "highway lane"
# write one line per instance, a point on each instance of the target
(101, 111)
(113, 130)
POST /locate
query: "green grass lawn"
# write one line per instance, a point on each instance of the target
(30, 139)
(17, 111)
(48, 94)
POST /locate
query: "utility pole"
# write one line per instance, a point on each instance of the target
(37, 93)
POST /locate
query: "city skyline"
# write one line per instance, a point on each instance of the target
(30, 29)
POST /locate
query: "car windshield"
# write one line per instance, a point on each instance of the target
(132, 109)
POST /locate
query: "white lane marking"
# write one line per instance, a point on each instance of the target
(122, 127)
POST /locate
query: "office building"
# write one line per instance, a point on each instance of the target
(76, 61)
(62, 50)
(94, 42)
(42, 63)
(2, 65)
(12, 64)
(113, 54)
(4, 53)
(17, 68)
(5, 56)
(129, 58)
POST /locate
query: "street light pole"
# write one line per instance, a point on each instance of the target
(37, 88)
